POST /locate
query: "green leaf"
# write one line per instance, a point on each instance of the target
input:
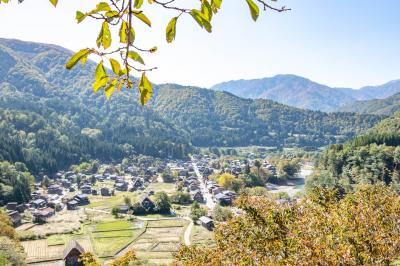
(106, 36)
(100, 72)
(254, 10)
(138, 4)
(111, 14)
(116, 67)
(145, 89)
(216, 3)
(99, 84)
(54, 2)
(143, 18)
(102, 6)
(171, 30)
(122, 32)
(201, 19)
(110, 89)
(123, 38)
(136, 57)
(206, 10)
(80, 16)
(76, 57)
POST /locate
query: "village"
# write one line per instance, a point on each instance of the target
(146, 204)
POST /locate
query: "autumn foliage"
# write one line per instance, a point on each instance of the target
(324, 228)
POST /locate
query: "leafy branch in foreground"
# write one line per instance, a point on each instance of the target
(120, 16)
(324, 228)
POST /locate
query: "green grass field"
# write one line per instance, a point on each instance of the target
(114, 225)
(109, 202)
(108, 238)
(55, 240)
(109, 247)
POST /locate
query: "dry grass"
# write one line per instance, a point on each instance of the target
(201, 236)
(166, 187)
(166, 246)
(63, 222)
(40, 250)
(167, 223)
(106, 203)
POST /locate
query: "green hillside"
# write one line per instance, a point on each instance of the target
(51, 118)
(386, 106)
(222, 119)
(367, 159)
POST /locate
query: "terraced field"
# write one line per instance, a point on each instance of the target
(161, 238)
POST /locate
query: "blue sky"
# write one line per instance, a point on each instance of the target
(339, 43)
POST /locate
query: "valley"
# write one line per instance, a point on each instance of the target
(110, 209)
(176, 179)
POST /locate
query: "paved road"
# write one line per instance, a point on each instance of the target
(207, 195)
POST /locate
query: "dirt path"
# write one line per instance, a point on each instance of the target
(187, 232)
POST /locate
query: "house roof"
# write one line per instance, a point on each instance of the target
(81, 196)
(221, 196)
(205, 219)
(194, 192)
(44, 212)
(73, 202)
(38, 201)
(145, 197)
(71, 246)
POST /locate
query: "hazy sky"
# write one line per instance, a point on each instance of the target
(335, 42)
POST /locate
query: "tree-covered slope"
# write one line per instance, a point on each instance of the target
(51, 114)
(35, 85)
(389, 125)
(367, 159)
(387, 106)
(220, 118)
(304, 93)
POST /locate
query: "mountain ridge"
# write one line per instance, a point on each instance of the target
(304, 93)
(387, 106)
(73, 124)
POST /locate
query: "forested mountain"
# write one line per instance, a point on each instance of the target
(387, 106)
(304, 93)
(50, 118)
(389, 125)
(368, 159)
(222, 119)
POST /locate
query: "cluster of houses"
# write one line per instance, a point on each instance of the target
(40, 208)
(14, 210)
(57, 196)
(221, 196)
(206, 166)
(132, 176)
(237, 167)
